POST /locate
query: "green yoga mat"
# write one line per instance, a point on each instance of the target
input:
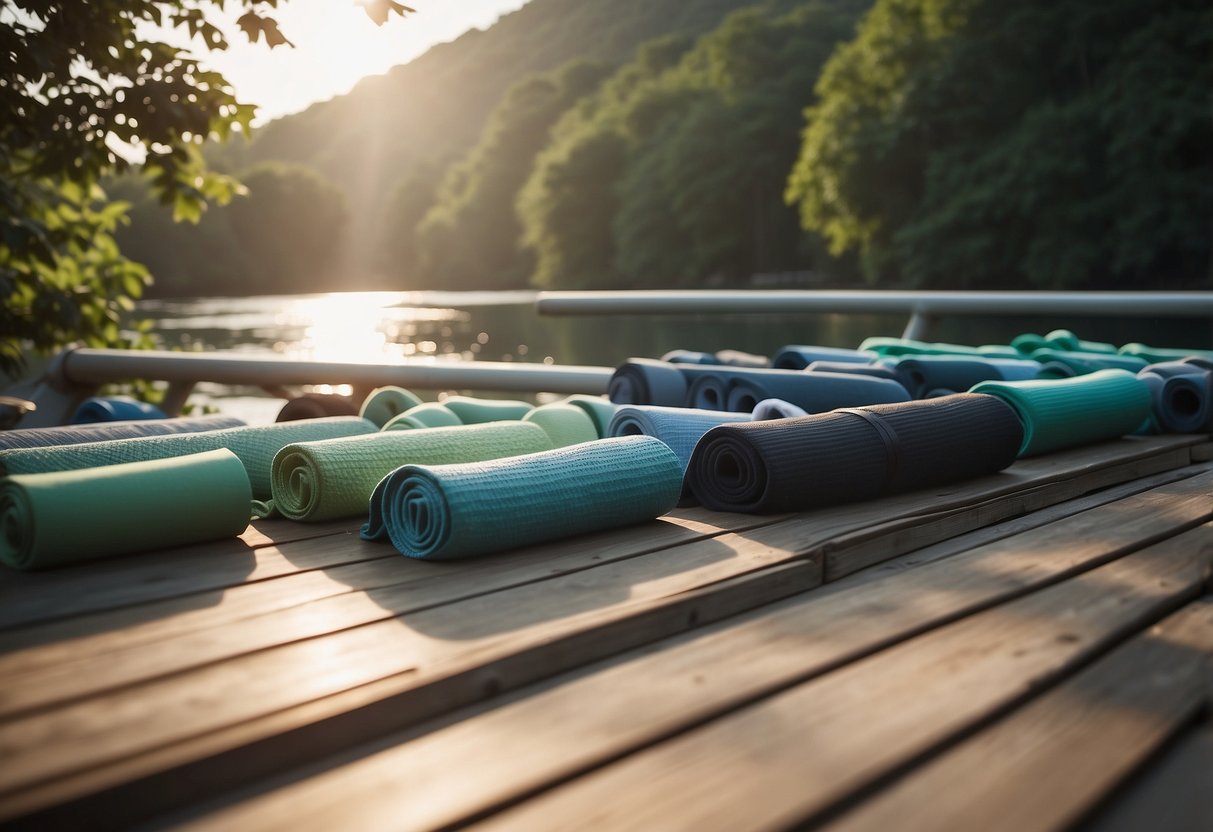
(426, 415)
(386, 403)
(315, 481)
(598, 408)
(1065, 413)
(1157, 355)
(886, 346)
(1064, 339)
(1088, 362)
(565, 424)
(66, 517)
(454, 511)
(255, 446)
(473, 411)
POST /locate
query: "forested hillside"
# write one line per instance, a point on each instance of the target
(611, 144)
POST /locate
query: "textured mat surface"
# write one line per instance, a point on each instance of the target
(104, 431)
(564, 423)
(1068, 412)
(333, 478)
(454, 511)
(254, 445)
(852, 454)
(72, 516)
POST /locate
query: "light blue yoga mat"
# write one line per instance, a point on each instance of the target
(1065, 413)
(454, 511)
(115, 409)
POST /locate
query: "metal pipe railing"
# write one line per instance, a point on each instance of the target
(922, 306)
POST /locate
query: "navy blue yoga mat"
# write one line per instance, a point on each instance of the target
(115, 409)
(102, 431)
(796, 357)
(852, 454)
(874, 370)
(647, 381)
(922, 374)
(1181, 397)
(814, 392)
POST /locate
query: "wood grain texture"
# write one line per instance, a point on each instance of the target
(605, 713)
(1050, 762)
(799, 753)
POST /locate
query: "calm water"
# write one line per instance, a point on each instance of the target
(503, 326)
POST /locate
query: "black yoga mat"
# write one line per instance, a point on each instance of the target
(101, 431)
(852, 454)
(814, 392)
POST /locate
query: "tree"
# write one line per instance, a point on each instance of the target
(1054, 143)
(79, 82)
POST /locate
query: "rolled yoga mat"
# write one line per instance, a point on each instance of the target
(334, 478)
(874, 370)
(737, 358)
(455, 511)
(424, 415)
(797, 357)
(1064, 339)
(1182, 397)
(1089, 362)
(690, 357)
(565, 424)
(922, 374)
(255, 445)
(852, 454)
(906, 346)
(316, 406)
(473, 411)
(814, 392)
(1068, 412)
(386, 403)
(102, 431)
(115, 409)
(598, 408)
(645, 381)
(66, 517)
(1155, 355)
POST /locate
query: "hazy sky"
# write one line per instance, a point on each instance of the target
(335, 45)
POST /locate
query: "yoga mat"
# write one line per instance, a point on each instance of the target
(101, 431)
(1064, 339)
(874, 370)
(315, 406)
(813, 392)
(64, 517)
(923, 374)
(776, 409)
(690, 357)
(426, 415)
(645, 381)
(852, 454)
(454, 511)
(893, 347)
(797, 357)
(1064, 413)
(1089, 362)
(1155, 355)
(737, 358)
(1182, 397)
(386, 403)
(709, 391)
(334, 478)
(598, 408)
(476, 411)
(1029, 342)
(255, 445)
(565, 424)
(115, 409)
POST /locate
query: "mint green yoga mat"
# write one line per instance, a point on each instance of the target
(52, 519)
(333, 478)
(1067, 412)
(386, 403)
(425, 415)
(454, 511)
(254, 445)
(598, 408)
(565, 424)
(473, 411)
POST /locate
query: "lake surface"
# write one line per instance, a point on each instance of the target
(503, 326)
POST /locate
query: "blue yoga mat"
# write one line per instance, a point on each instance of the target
(115, 409)
(1182, 397)
(924, 374)
(797, 357)
(874, 370)
(444, 512)
(814, 392)
(104, 431)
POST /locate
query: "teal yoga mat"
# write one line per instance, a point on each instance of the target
(565, 424)
(334, 478)
(599, 408)
(386, 403)
(64, 517)
(1155, 355)
(473, 411)
(1065, 413)
(1064, 339)
(102, 431)
(254, 445)
(425, 415)
(453, 511)
(1088, 362)
(885, 346)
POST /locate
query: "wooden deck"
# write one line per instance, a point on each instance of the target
(1027, 651)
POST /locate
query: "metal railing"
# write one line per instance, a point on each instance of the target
(922, 307)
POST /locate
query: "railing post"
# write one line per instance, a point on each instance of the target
(919, 327)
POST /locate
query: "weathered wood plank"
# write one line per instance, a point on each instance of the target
(801, 752)
(1050, 762)
(1173, 794)
(607, 712)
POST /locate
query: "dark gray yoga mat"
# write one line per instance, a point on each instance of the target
(923, 374)
(852, 454)
(1181, 397)
(874, 370)
(103, 431)
(814, 392)
(797, 357)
